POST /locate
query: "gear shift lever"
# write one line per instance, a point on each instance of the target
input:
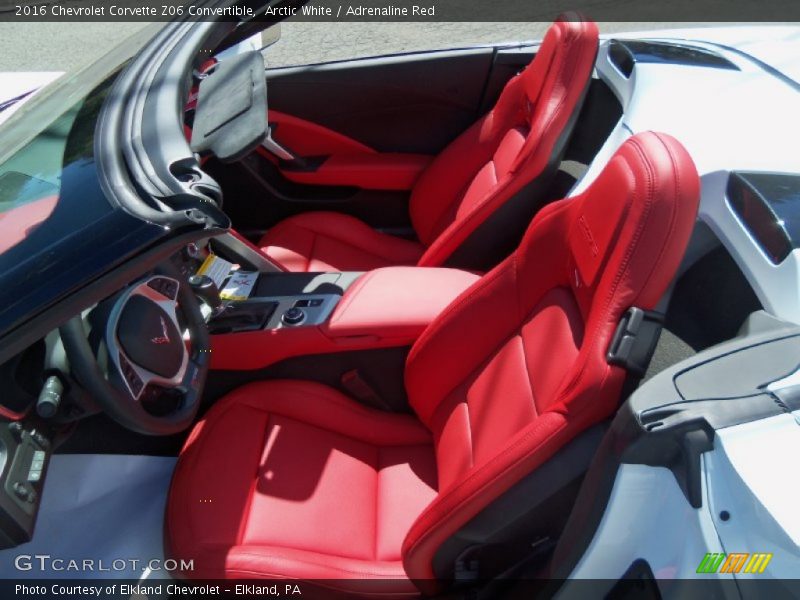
(205, 289)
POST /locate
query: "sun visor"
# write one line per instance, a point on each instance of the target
(231, 116)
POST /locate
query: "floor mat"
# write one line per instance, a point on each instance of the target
(102, 508)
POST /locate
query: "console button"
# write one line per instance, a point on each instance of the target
(293, 316)
(20, 490)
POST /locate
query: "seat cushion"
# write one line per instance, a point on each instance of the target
(327, 241)
(294, 479)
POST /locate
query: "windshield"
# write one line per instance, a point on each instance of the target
(52, 103)
(50, 135)
(31, 179)
(30, 182)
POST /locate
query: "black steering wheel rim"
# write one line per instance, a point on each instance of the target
(120, 404)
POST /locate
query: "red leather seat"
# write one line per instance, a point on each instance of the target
(488, 167)
(329, 241)
(293, 479)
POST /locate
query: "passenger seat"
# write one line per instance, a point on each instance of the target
(481, 191)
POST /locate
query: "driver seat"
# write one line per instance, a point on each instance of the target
(293, 479)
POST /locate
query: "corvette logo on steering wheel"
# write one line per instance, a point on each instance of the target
(162, 339)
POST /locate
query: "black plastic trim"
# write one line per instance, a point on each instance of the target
(768, 205)
(624, 54)
(533, 509)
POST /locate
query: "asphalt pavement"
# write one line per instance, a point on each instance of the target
(70, 46)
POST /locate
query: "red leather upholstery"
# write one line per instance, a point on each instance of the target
(310, 139)
(293, 479)
(348, 162)
(385, 308)
(512, 370)
(514, 144)
(534, 373)
(396, 302)
(374, 171)
(329, 241)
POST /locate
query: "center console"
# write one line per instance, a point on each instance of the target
(284, 300)
(294, 314)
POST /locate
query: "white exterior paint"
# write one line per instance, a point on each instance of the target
(13, 85)
(648, 517)
(728, 120)
(747, 476)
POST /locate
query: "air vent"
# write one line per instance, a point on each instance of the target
(768, 205)
(624, 54)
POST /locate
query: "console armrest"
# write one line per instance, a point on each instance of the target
(396, 303)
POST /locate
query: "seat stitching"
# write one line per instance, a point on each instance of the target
(201, 442)
(309, 562)
(311, 250)
(306, 561)
(346, 242)
(637, 237)
(252, 492)
(528, 372)
(458, 227)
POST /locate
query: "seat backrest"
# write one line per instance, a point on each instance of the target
(519, 141)
(516, 366)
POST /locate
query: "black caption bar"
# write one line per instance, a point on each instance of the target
(400, 10)
(159, 589)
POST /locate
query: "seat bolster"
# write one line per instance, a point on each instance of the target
(328, 241)
(267, 562)
(457, 504)
(350, 576)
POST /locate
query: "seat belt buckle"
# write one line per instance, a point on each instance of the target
(635, 339)
(356, 386)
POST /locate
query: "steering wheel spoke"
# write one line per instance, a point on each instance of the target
(152, 334)
(146, 348)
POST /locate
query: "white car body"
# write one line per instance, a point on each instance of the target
(22, 86)
(728, 120)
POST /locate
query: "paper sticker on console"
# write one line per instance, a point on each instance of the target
(239, 286)
(216, 268)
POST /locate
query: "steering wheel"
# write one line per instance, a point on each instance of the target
(147, 355)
